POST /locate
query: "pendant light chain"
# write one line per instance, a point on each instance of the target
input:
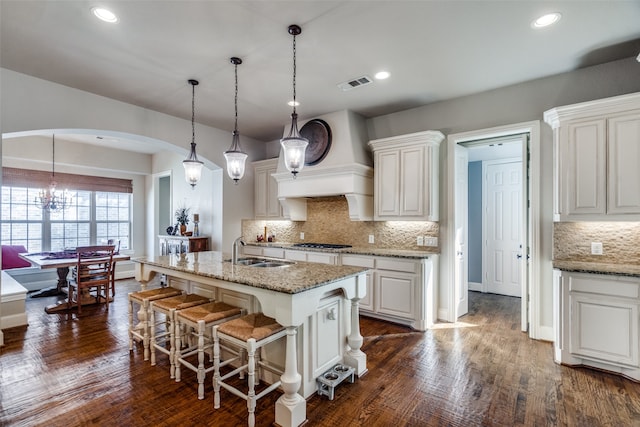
(53, 159)
(236, 97)
(294, 73)
(193, 113)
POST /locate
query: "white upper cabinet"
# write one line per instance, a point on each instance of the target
(406, 176)
(266, 203)
(596, 158)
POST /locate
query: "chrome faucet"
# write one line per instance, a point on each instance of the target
(234, 250)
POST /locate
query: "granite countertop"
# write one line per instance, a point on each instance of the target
(294, 278)
(356, 250)
(598, 267)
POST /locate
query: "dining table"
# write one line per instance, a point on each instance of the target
(61, 261)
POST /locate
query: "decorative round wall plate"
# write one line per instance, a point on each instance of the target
(318, 133)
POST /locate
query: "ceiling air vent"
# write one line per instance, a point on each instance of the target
(358, 82)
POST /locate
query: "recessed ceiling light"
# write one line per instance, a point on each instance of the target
(546, 20)
(638, 58)
(381, 75)
(293, 104)
(105, 15)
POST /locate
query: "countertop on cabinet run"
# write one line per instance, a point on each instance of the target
(598, 267)
(294, 278)
(356, 250)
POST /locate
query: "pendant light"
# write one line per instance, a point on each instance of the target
(234, 155)
(294, 144)
(50, 199)
(192, 166)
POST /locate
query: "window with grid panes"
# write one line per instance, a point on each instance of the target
(94, 217)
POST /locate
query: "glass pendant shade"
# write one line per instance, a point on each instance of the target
(235, 160)
(294, 146)
(234, 155)
(192, 166)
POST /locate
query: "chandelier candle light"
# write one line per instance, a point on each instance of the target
(192, 166)
(234, 155)
(50, 199)
(294, 144)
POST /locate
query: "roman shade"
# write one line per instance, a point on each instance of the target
(15, 177)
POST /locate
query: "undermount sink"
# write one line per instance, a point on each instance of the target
(272, 264)
(261, 262)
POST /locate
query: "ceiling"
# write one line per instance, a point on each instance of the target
(434, 50)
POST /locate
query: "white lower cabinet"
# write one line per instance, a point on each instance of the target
(597, 320)
(400, 290)
(310, 256)
(266, 251)
(396, 293)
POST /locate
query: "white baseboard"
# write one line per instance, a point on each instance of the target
(475, 286)
(13, 320)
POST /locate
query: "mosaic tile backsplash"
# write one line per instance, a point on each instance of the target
(328, 222)
(620, 241)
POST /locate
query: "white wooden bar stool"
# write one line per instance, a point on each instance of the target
(169, 307)
(198, 322)
(250, 333)
(143, 299)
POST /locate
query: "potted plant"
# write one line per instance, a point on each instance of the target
(182, 218)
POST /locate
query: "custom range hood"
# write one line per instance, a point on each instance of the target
(345, 170)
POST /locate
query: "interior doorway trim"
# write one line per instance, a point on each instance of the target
(449, 249)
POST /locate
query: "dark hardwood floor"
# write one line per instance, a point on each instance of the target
(62, 370)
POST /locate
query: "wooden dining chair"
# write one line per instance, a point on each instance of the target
(93, 271)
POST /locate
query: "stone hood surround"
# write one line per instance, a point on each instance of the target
(346, 170)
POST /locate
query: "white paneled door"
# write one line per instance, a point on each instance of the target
(503, 227)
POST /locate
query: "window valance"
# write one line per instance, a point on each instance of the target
(15, 177)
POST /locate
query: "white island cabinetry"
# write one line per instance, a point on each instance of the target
(597, 318)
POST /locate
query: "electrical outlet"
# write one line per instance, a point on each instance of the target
(372, 239)
(430, 241)
(302, 235)
(596, 248)
(420, 241)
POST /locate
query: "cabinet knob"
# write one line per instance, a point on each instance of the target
(331, 314)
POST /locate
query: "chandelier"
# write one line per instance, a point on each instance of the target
(192, 166)
(234, 155)
(50, 199)
(294, 144)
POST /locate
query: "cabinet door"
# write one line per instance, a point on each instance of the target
(395, 293)
(367, 303)
(604, 328)
(387, 184)
(624, 160)
(261, 194)
(327, 326)
(412, 181)
(585, 166)
(274, 209)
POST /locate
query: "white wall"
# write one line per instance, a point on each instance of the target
(30, 103)
(512, 104)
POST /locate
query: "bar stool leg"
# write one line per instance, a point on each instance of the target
(130, 325)
(152, 326)
(251, 396)
(144, 314)
(216, 369)
(172, 341)
(201, 371)
(178, 347)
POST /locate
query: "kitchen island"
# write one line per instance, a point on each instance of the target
(310, 300)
